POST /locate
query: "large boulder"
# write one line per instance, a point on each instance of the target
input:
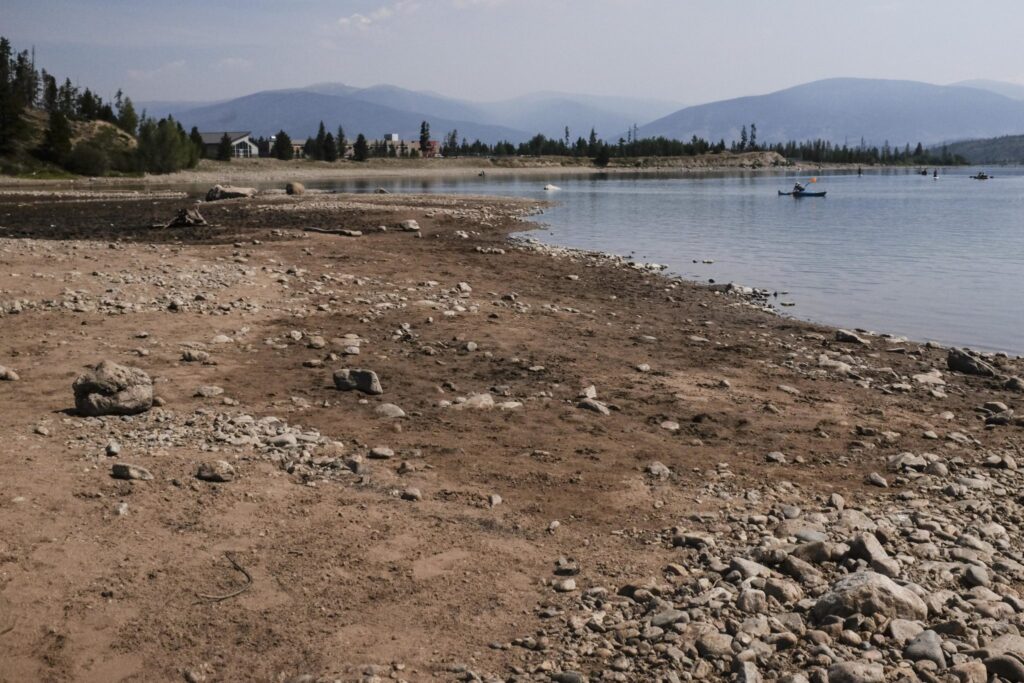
(964, 362)
(112, 389)
(218, 192)
(349, 379)
(869, 593)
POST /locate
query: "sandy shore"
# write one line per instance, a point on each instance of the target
(577, 470)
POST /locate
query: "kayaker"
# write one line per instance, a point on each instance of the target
(797, 188)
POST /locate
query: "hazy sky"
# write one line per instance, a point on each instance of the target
(689, 51)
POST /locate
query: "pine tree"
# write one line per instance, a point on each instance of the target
(361, 150)
(282, 148)
(11, 125)
(753, 136)
(341, 142)
(224, 149)
(743, 139)
(424, 138)
(57, 140)
(592, 148)
(318, 145)
(127, 119)
(330, 148)
(197, 141)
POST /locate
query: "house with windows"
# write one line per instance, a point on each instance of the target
(242, 145)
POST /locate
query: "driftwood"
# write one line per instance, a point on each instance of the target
(186, 218)
(218, 192)
(335, 231)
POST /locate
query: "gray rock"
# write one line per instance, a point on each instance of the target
(219, 471)
(122, 470)
(412, 493)
(283, 441)
(389, 410)
(381, 453)
(714, 644)
(869, 593)
(1007, 666)
(593, 405)
(848, 337)
(856, 672)
(970, 672)
(1014, 384)
(365, 381)
(746, 672)
(476, 402)
(658, 470)
(568, 677)
(669, 617)
(8, 375)
(976, 576)
(926, 646)
(409, 226)
(112, 389)
(785, 592)
(904, 630)
(964, 362)
(209, 391)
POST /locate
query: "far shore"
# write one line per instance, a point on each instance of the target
(265, 171)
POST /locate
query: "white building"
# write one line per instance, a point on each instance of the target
(242, 145)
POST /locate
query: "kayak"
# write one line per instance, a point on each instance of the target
(801, 194)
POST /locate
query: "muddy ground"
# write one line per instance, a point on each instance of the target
(352, 576)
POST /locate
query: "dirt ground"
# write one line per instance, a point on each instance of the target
(351, 576)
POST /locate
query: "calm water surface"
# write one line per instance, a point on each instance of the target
(893, 252)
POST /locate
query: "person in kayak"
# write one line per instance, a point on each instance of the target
(797, 188)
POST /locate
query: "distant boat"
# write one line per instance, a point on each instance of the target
(805, 193)
(981, 175)
(551, 188)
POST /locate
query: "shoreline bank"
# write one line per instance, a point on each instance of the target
(264, 171)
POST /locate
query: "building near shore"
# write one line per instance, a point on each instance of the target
(392, 145)
(242, 146)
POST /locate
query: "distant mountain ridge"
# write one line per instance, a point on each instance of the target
(846, 110)
(382, 109)
(1011, 90)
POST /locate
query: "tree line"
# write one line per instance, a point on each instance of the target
(28, 94)
(323, 147)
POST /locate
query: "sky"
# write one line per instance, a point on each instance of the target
(684, 51)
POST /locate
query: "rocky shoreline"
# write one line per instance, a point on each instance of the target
(404, 447)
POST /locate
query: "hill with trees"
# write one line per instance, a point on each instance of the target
(1006, 149)
(51, 126)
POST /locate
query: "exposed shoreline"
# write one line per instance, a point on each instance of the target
(692, 449)
(265, 171)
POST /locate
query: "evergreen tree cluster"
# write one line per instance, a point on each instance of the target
(24, 88)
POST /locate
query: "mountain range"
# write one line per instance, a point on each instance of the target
(382, 109)
(843, 110)
(847, 110)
